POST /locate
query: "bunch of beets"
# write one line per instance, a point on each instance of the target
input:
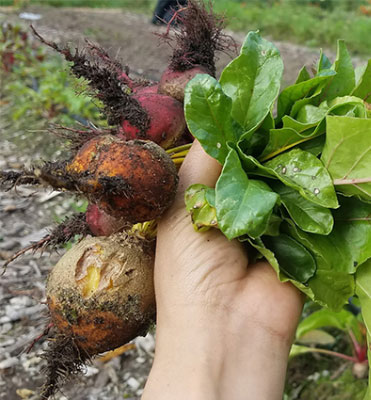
(100, 294)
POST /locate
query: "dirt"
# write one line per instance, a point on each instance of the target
(131, 38)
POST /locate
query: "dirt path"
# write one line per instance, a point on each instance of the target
(22, 219)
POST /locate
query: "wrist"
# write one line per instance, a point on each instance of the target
(186, 364)
(205, 358)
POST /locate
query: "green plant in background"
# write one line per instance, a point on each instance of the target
(38, 85)
(142, 5)
(310, 23)
(310, 332)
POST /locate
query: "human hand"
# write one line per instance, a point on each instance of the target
(224, 327)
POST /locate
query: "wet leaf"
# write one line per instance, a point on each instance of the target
(305, 173)
(309, 217)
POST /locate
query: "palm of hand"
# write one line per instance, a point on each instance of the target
(205, 273)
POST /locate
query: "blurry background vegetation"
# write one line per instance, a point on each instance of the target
(308, 22)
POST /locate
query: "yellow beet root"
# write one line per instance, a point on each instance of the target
(101, 292)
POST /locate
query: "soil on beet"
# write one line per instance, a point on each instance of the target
(23, 219)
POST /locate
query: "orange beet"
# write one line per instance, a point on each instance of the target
(133, 180)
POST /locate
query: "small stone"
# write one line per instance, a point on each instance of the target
(21, 301)
(9, 363)
(16, 229)
(6, 327)
(9, 244)
(133, 383)
(7, 342)
(145, 344)
(91, 371)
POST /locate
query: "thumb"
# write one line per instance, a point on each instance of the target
(198, 167)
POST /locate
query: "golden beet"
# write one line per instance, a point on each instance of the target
(135, 180)
(101, 292)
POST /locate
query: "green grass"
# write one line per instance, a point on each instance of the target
(138, 5)
(301, 22)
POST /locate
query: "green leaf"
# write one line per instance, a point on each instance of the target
(310, 123)
(313, 98)
(270, 257)
(243, 206)
(323, 62)
(359, 71)
(303, 75)
(273, 228)
(298, 91)
(347, 155)
(363, 290)
(197, 199)
(333, 283)
(252, 81)
(304, 129)
(331, 288)
(305, 173)
(310, 114)
(309, 217)
(331, 251)
(363, 88)
(343, 320)
(279, 141)
(353, 224)
(344, 82)
(313, 146)
(293, 258)
(208, 114)
(316, 336)
(297, 350)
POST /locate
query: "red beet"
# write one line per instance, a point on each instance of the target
(151, 89)
(173, 83)
(102, 224)
(166, 116)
